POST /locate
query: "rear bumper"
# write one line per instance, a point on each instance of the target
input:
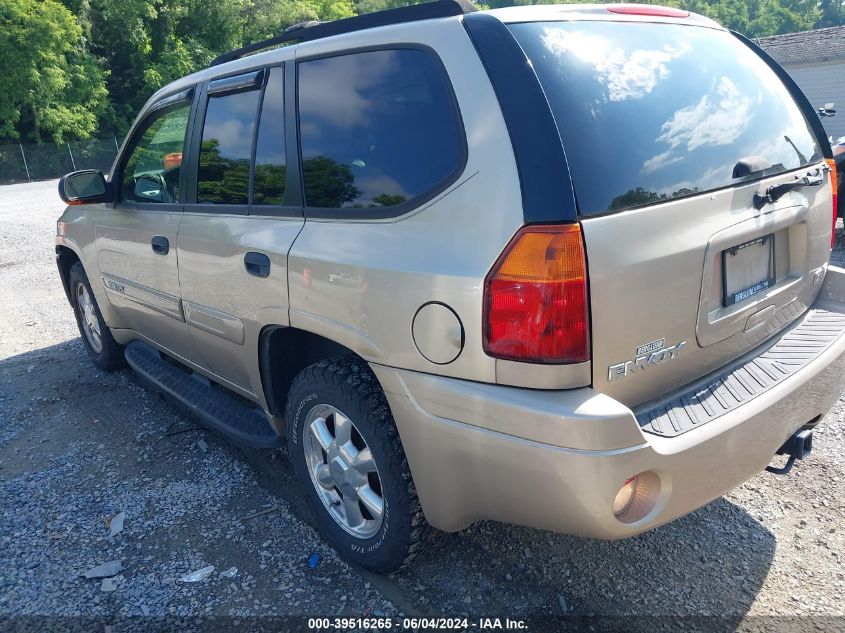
(555, 460)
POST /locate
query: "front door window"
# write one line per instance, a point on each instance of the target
(151, 171)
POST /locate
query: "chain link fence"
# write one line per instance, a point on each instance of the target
(22, 162)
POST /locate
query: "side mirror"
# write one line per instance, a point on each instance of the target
(84, 187)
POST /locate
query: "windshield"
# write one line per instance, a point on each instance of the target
(649, 112)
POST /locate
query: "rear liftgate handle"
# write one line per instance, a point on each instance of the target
(257, 264)
(776, 192)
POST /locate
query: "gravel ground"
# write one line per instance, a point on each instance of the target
(79, 446)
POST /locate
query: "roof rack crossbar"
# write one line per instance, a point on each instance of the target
(307, 31)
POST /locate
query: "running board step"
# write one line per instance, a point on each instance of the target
(218, 410)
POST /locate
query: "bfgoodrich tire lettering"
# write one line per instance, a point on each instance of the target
(103, 350)
(346, 386)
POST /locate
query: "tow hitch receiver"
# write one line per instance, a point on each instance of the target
(798, 446)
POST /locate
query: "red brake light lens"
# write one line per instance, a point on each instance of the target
(535, 298)
(834, 186)
(647, 9)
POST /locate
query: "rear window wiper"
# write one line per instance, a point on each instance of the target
(776, 192)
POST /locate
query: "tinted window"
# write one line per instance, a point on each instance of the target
(270, 170)
(226, 147)
(650, 112)
(377, 128)
(151, 170)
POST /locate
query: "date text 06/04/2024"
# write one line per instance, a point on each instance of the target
(416, 624)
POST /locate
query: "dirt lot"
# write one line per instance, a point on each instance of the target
(78, 446)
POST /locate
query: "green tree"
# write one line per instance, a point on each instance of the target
(148, 43)
(221, 180)
(832, 13)
(73, 66)
(779, 16)
(328, 183)
(51, 85)
(387, 200)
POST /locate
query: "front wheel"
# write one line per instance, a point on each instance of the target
(350, 462)
(103, 350)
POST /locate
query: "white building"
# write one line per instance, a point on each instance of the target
(816, 61)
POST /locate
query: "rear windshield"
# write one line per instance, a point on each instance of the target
(650, 112)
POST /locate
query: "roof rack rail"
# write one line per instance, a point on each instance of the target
(313, 30)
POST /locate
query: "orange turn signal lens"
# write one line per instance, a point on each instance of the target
(545, 254)
(834, 187)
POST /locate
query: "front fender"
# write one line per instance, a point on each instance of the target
(66, 250)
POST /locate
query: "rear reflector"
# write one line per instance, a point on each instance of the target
(535, 298)
(647, 9)
(834, 187)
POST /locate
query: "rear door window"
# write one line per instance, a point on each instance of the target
(652, 112)
(270, 165)
(377, 128)
(226, 147)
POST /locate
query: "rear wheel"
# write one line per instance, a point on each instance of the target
(103, 350)
(350, 463)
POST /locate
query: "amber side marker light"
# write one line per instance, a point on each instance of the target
(647, 9)
(535, 298)
(833, 187)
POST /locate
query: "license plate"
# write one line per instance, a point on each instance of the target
(747, 269)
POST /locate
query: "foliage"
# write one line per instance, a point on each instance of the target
(51, 84)
(72, 67)
(328, 183)
(221, 180)
(758, 18)
(269, 183)
(640, 196)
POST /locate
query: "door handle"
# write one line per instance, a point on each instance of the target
(160, 244)
(257, 264)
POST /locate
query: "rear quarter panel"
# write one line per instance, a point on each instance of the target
(361, 282)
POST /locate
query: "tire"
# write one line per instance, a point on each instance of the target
(346, 387)
(108, 355)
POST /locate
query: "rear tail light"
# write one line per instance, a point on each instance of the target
(535, 298)
(834, 186)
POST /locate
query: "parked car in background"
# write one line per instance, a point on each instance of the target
(559, 266)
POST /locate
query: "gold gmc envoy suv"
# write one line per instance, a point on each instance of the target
(559, 266)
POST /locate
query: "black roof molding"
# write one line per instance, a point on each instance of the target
(307, 31)
(546, 184)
